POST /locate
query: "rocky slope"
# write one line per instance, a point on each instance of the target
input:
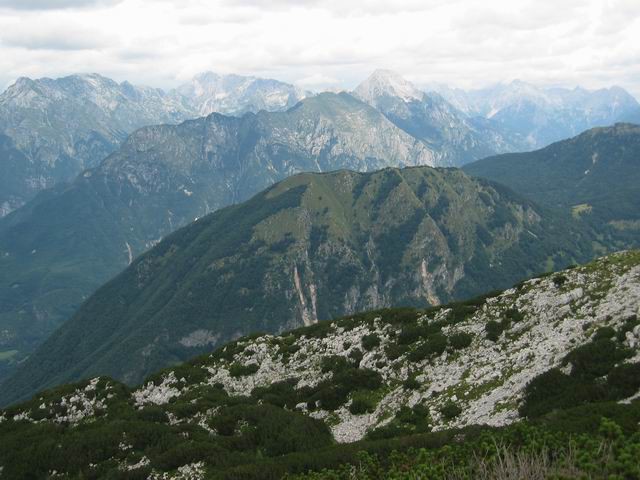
(595, 176)
(490, 361)
(534, 117)
(455, 137)
(311, 247)
(65, 243)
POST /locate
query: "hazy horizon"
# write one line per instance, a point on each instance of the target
(326, 44)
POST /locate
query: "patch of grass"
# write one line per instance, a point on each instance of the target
(582, 209)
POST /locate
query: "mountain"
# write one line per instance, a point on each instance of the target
(52, 129)
(383, 84)
(57, 128)
(489, 385)
(534, 117)
(314, 246)
(236, 95)
(62, 245)
(455, 137)
(595, 176)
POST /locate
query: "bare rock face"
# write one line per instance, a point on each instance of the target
(65, 125)
(486, 379)
(209, 92)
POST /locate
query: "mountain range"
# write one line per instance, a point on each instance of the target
(312, 247)
(52, 129)
(70, 239)
(477, 388)
(533, 117)
(59, 248)
(235, 95)
(456, 138)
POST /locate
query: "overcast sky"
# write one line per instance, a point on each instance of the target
(326, 43)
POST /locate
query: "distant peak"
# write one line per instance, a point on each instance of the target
(24, 81)
(387, 83)
(22, 84)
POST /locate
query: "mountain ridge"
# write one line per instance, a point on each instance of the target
(432, 119)
(593, 176)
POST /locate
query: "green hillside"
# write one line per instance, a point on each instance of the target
(594, 176)
(312, 247)
(68, 241)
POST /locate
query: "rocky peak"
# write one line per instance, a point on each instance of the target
(387, 83)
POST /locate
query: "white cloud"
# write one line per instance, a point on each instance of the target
(53, 4)
(54, 37)
(327, 43)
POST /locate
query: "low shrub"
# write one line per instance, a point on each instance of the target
(371, 341)
(493, 330)
(450, 410)
(604, 333)
(460, 340)
(240, 370)
(559, 280)
(361, 403)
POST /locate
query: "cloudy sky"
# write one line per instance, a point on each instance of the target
(326, 43)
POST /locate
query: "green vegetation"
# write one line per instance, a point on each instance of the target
(575, 425)
(370, 341)
(266, 441)
(460, 340)
(239, 370)
(592, 178)
(494, 329)
(523, 451)
(406, 422)
(362, 402)
(7, 355)
(582, 209)
(597, 375)
(234, 271)
(559, 280)
(450, 410)
(68, 241)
